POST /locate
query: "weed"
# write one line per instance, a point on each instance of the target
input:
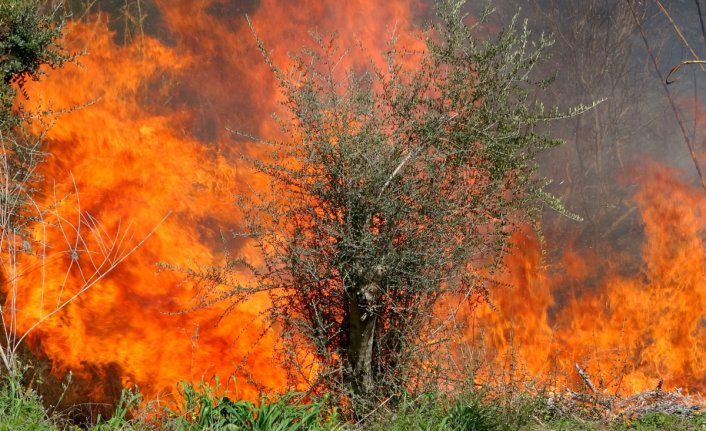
(21, 408)
(203, 409)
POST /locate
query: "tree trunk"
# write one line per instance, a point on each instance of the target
(362, 305)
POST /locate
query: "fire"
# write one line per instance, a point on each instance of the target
(630, 321)
(154, 142)
(133, 165)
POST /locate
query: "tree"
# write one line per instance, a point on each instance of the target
(393, 189)
(28, 41)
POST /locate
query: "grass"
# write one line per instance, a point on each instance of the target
(474, 411)
(21, 409)
(204, 409)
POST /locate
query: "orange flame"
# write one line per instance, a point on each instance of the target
(154, 142)
(628, 320)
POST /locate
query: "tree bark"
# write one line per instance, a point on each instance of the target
(362, 305)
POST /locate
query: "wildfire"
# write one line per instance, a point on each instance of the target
(629, 320)
(155, 142)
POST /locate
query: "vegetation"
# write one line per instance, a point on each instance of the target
(394, 188)
(28, 41)
(202, 409)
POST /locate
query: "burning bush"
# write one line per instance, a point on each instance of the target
(392, 188)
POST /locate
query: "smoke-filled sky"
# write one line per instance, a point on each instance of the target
(622, 292)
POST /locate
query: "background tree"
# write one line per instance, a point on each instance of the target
(28, 41)
(393, 189)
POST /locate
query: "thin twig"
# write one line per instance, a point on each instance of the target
(701, 19)
(93, 280)
(364, 418)
(673, 105)
(678, 31)
(678, 66)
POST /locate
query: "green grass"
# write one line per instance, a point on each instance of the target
(481, 412)
(204, 410)
(472, 411)
(201, 410)
(21, 409)
(207, 409)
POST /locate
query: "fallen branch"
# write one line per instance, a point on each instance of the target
(586, 378)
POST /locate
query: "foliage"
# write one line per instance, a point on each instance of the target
(425, 412)
(120, 419)
(203, 409)
(661, 421)
(433, 411)
(28, 41)
(654, 422)
(477, 410)
(21, 408)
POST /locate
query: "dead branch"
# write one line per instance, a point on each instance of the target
(672, 104)
(679, 66)
(586, 379)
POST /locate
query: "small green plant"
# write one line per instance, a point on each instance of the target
(472, 413)
(662, 421)
(472, 410)
(21, 408)
(129, 400)
(426, 412)
(28, 41)
(204, 409)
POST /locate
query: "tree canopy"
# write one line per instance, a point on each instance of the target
(28, 41)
